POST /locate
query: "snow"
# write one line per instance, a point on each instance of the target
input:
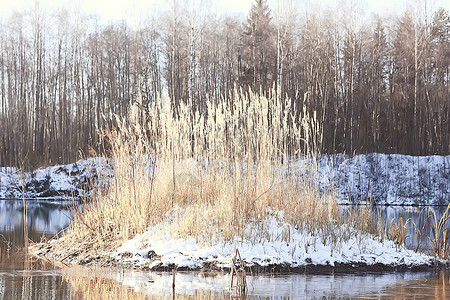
(382, 178)
(62, 181)
(393, 179)
(343, 245)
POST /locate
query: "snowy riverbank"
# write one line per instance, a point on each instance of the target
(393, 179)
(268, 246)
(383, 178)
(55, 182)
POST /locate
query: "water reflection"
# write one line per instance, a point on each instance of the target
(24, 277)
(141, 285)
(101, 288)
(21, 276)
(44, 218)
(433, 286)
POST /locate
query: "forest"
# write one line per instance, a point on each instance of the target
(374, 84)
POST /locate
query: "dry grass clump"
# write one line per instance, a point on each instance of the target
(362, 218)
(438, 240)
(209, 173)
(398, 230)
(433, 229)
(439, 227)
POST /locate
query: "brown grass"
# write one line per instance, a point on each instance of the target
(439, 227)
(398, 230)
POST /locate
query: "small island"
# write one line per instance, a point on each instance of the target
(231, 139)
(163, 201)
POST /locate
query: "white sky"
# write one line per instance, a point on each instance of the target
(134, 10)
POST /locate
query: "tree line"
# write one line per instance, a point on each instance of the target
(375, 85)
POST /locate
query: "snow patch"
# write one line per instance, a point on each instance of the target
(387, 178)
(62, 181)
(280, 245)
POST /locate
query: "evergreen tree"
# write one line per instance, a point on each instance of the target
(258, 60)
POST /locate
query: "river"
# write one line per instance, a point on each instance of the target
(24, 277)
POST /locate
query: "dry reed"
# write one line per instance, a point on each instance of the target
(398, 230)
(439, 227)
(209, 173)
(438, 240)
(238, 285)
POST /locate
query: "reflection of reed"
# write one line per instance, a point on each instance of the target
(25, 226)
(26, 276)
(26, 263)
(436, 287)
(96, 287)
(100, 288)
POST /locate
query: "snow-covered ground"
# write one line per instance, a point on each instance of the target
(269, 242)
(388, 178)
(382, 178)
(63, 181)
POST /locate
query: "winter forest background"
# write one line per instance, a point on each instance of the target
(376, 84)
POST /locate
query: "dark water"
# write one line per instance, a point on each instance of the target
(24, 277)
(45, 218)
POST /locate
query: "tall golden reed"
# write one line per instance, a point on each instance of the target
(217, 167)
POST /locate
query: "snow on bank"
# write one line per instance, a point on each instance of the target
(388, 178)
(267, 243)
(60, 181)
(384, 178)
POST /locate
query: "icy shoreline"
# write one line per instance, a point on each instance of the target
(391, 179)
(279, 248)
